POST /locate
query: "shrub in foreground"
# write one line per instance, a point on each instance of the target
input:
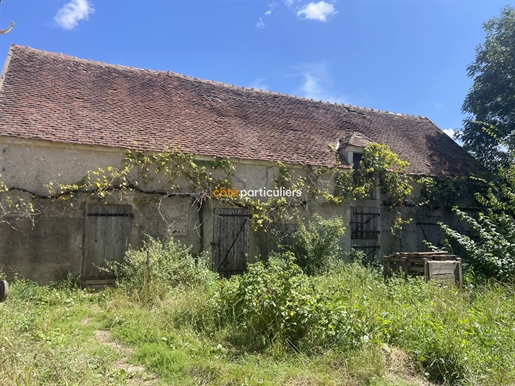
(315, 244)
(277, 302)
(272, 301)
(157, 267)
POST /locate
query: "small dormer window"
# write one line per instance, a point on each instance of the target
(350, 148)
(356, 159)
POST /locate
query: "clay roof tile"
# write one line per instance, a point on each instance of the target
(59, 98)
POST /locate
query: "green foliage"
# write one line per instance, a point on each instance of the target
(172, 165)
(492, 254)
(456, 337)
(156, 268)
(490, 100)
(442, 192)
(173, 172)
(270, 302)
(274, 326)
(353, 256)
(315, 244)
(276, 303)
(379, 164)
(14, 207)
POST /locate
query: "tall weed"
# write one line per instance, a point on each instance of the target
(278, 302)
(156, 268)
(315, 244)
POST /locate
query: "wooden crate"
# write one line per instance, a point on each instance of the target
(444, 270)
(431, 265)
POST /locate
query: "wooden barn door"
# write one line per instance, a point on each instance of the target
(429, 231)
(365, 230)
(106, 238)
(231, 238)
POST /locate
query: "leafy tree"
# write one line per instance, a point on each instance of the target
(492, 252)
(489, 134)
(491, 99)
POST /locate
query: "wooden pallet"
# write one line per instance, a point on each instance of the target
(431, 265)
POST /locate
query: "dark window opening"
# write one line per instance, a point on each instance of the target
(356, 159)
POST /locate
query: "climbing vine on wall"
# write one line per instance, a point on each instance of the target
(14, 207)
(378, 165)
(448, 192)
(172, 172)
(169, 171)
(381, 164)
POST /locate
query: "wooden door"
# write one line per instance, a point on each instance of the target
(231, 238)
(106, 238)
(429, 231)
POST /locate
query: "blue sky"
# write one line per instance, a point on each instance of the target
(402, 56)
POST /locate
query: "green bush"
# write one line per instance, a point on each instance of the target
(316, 244)
(492, 253)
(270, 302)
(156, 268)
(277, 303)
(456, 337)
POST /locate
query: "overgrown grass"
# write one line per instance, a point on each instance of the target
(273, 326)
(43, 340)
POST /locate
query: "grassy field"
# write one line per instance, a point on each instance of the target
(273, 327)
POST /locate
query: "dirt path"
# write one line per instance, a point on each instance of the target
(400, 368)
(138, 374)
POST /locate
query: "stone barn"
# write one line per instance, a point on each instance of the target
(62, 117)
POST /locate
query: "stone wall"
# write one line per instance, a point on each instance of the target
(52, 246)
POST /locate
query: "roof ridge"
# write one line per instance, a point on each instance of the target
(228, 85)
(62, 99)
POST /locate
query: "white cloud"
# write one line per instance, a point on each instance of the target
(317, 11)
(314, 11)
(311, 85)
(317, 82)
(439, 105)
(449, 132)
(259, 84)
(261, 23)
(71, 13)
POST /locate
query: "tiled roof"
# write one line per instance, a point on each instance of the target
(54, 97)
(355, 139)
